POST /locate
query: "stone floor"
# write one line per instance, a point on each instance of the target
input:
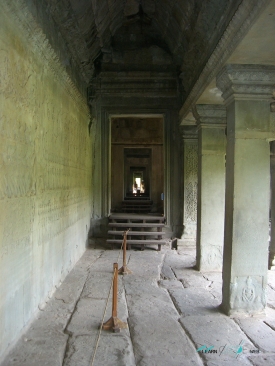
(172, 311)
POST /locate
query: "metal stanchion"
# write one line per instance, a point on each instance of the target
(124, 269)
(114, 322)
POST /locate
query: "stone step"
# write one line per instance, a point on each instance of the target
(131, 233)
(137, 198)
(137, 202)
(135, 224)
(135, 209)
(140, 221)
(136, 217)
(139, 241)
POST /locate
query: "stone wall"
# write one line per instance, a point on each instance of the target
(45, 164)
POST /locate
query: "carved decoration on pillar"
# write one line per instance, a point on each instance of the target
(248, 294)
(248, 291)
(191, 163)
(211, 257)
(271, 264)
(213, 115)
(190, 182)
(210, 246)
(246, 82)
(214, 256)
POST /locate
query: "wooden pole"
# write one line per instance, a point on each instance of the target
(114, 322)
(124, 269)
(114, 306)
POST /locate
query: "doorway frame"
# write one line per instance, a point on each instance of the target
(107, 114)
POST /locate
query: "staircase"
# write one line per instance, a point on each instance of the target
(144, 230)
(137, 206)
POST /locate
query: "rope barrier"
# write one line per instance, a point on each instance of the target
(124, 269)
(102, 322)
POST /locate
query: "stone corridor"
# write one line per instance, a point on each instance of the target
(172, 310)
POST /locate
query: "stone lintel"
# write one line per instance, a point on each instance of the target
(246, 82)
(125, 84)
(252, 134)
(211, 125)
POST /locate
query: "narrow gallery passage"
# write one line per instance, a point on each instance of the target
(151, 115)
(171, 310)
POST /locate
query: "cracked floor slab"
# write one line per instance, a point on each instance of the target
(171, 309)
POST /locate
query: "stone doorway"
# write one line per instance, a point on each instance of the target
(137, 171)
(137, 158)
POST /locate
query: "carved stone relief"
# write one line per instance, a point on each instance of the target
(248, 293)
(211, 257)
(45, 165)
(190, 182)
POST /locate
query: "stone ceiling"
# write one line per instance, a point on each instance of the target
(144, 34)
(255, 48)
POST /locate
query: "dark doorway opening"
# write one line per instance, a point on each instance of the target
(137, 164)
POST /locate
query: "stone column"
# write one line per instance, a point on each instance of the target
(211, 120)
(271, 264)
(247, 90)
(190, 186)
(175, 183)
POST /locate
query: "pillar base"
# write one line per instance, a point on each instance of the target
(186, 243)
(247, 296)
(237, 313)
(271, 262)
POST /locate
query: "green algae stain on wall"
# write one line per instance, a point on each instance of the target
(45, 164)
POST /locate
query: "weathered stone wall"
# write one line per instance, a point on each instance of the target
(45, 164)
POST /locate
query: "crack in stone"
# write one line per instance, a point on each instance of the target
(246, 335)
(270, 326)
(215, 297)
(70, 346)
(161, 265)
(270, 306)
(174, 303)
(66, 331)
(161, 274)
(174, 273)
(64, 302)
(184, 284)
(129, 327)
(201, 355)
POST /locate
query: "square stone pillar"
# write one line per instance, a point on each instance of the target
(247, 90)
(190, 186)
(271, 264)
(211, 121)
